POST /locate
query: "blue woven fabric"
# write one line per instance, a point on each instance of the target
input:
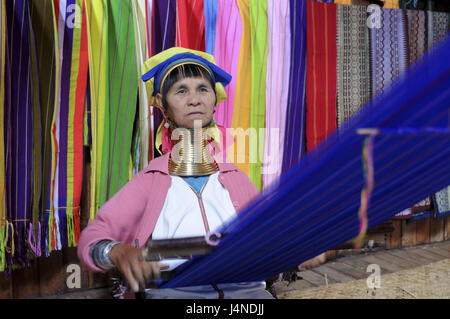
(315, 206)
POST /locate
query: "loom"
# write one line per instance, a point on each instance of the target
(315, 206)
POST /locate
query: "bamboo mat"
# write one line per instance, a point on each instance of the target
(429, 281)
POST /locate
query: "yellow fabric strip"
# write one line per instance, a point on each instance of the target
(239, 152)
(96, 13)
(392, 4)
(140, 32)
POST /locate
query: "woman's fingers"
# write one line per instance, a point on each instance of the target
(136, 272)
(129, 276)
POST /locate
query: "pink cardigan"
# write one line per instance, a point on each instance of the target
(133, 211)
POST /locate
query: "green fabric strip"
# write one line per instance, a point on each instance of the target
(259, 47)
(122, 91)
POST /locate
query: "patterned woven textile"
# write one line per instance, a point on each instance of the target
(442, 202)
(438, 27)
(353, 61)
(389, 55)
(416, 34)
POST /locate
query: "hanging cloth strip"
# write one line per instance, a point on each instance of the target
(353, 61)
(389, 56)
(67, 126)
(417, 46)
(44, 35)
(97, 24)
(163, 25)
(226, 53)
(211, 8)
(392, 4)
(320, 72)
(417, 36)
(18, 121)
(122, 96)
(294, 132)
(315, 207)
(277, 86)
(259, 47)
(34, 226)
(242, 99)
(145, 137)
(438, 27)
(190, 25)
(3, 220)
(442, 202)
(164, 30)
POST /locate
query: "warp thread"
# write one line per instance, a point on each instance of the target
(368, 171)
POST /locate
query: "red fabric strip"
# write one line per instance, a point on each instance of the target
(80, 96)
(190, 24)
(320, 72)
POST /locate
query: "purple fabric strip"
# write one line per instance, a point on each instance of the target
(18, 125)
(164, 34)
(295, 116)
(66, 71)
(164, 26)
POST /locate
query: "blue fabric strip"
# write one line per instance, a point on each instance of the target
(294, 147)
(315, 206)
(210, 9)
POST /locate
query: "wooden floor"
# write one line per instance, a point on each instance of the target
(353, 267)
(344, 268)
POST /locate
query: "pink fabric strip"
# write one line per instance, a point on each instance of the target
(226, 54)
(277, 85)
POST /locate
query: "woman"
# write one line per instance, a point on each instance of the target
(173, 198)
(186, 192)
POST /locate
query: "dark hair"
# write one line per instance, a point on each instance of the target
(181, 72)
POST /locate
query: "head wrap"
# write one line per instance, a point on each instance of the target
(160, 65)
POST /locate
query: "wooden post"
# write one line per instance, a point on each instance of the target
(408, 233)
(423, 231)
(437, 229)
(395, 238)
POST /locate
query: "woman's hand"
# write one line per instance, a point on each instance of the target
(136, 272)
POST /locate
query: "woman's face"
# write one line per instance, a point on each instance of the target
(188, 100)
